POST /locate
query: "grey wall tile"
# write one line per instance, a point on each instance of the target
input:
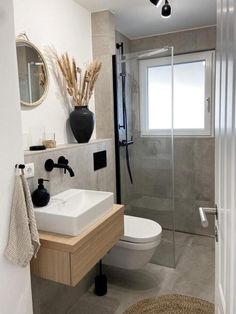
(103, 24)
(103, 37)
(204, 169)
(81, 160)
(104, 100)
(186, 41)
(127, 42)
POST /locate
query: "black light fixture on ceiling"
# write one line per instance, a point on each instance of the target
(155, 2)
(166, 10)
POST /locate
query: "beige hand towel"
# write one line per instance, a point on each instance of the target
(23, 241)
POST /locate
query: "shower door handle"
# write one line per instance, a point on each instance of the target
(210, 211)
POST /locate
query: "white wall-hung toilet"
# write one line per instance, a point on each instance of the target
(137, 246)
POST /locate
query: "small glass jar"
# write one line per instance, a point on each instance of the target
(49, 140)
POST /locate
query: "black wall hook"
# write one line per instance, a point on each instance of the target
(20, 166)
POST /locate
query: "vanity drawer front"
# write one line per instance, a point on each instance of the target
(53, 265)
(96, 246)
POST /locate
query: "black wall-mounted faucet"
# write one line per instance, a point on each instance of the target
(63, 163)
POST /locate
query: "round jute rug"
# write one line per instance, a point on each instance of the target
(172, 304)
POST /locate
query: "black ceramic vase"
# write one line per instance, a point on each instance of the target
(82, 124)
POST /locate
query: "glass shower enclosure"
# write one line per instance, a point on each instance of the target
(143, 89)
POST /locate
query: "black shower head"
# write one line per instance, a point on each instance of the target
(155, 2)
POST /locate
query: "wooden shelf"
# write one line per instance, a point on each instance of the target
(67, 259)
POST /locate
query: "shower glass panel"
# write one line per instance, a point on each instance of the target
(143, 85)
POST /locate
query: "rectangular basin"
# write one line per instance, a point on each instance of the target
(72, 211)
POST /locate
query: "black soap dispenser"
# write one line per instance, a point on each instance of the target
(41, 197)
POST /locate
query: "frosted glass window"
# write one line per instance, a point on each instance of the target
(189, 96)
(159, 97)
(192, 107)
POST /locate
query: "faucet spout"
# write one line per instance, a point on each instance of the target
(70, 170)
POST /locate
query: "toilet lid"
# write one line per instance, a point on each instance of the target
(140, 230)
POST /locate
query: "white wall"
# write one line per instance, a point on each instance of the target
(65, 25)
(15, 291)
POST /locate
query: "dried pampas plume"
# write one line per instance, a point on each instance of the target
(80, 87)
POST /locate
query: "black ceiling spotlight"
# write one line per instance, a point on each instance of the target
(155, 2)
(166, 10)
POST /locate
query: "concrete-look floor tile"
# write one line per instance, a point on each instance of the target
(195, 269)
(92, 303)
(193, 276)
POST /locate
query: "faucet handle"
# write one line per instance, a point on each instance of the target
(63, 161)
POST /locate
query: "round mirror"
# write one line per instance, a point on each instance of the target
(33, 73)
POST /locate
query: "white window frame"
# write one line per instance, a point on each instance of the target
(144, 65)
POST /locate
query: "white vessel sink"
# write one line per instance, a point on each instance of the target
(70, 212)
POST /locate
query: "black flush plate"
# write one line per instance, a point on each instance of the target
(100, 160)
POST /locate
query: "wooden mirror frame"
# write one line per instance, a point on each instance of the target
(22, 38)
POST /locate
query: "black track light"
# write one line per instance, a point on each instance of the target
(166, 10)
(155, 2)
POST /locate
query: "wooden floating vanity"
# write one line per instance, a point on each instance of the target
(67, 259)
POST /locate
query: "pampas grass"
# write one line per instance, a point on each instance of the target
(80, 87)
